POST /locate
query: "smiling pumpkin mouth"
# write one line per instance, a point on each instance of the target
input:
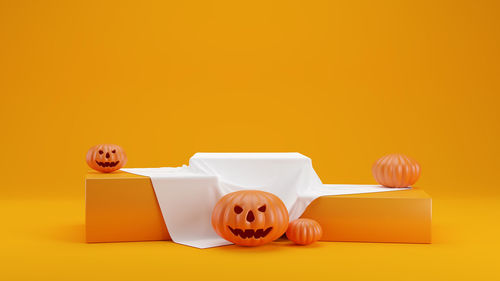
(250, 233)
(107, 164)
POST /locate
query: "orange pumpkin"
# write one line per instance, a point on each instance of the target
(304, 231)
(396, 170)
(250, 217)
(106, 158)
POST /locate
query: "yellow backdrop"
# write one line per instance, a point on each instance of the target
(343, 82)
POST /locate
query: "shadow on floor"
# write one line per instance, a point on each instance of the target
(74, 233)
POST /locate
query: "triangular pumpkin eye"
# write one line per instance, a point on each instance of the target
(238, 209)
(262, 208)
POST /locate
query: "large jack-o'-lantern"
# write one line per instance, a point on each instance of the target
(106, 158)
(250, 217)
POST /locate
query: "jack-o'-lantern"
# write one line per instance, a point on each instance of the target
(304, 231)
(250, 217)
(106, 158)
(396, 170)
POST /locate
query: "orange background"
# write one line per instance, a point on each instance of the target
(343, 82)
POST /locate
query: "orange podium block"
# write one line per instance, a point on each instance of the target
(120, 206)
(402, 216)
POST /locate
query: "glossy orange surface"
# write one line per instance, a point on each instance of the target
(304, 231)
(106, 158)
(396, 170)
(250, 217)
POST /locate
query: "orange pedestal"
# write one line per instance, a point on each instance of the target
(393, 216)
(123, 207)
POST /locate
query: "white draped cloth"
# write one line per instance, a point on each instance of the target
(188, 194)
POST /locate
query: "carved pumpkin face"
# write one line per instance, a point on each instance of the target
(250, 217)
(106, 158)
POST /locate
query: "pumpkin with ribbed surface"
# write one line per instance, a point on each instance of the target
(250, 217)
(304, 231)
(106, 158)
(396, 170)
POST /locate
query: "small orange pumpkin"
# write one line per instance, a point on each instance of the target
(106, 158)
(250, 217)
(304, 231)
(396, 170)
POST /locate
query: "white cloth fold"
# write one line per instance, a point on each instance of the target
(188, 194)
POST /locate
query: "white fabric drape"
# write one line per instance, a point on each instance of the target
(187, 194)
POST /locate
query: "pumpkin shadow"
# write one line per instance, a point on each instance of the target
(277, 245)
(74, 233)
(270, 247)
(310, 246)
(284, 242)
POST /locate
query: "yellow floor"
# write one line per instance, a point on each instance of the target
(44, 240)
